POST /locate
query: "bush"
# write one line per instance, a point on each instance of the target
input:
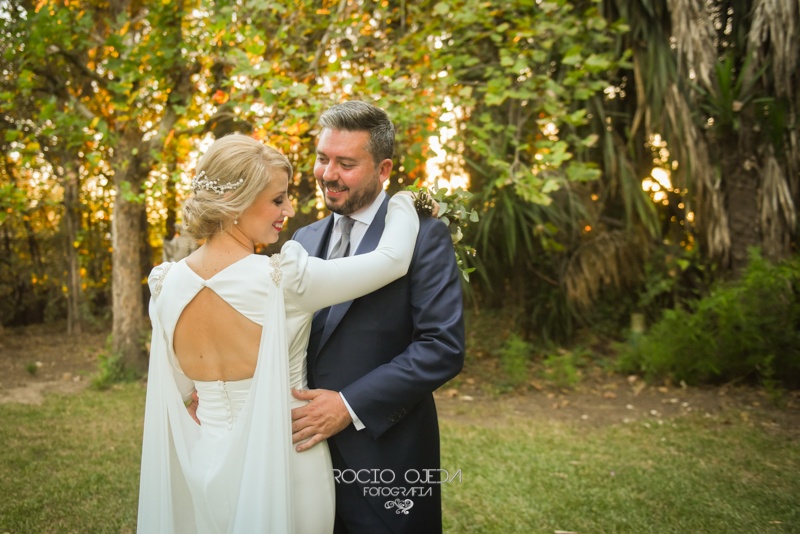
(515, 356)
(562, 367)
(747, 329)
(110, 369)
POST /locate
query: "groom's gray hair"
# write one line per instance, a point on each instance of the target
(358, 116)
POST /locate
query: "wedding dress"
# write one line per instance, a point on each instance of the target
(238, 471)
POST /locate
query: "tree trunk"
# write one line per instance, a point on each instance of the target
(170, 202)
(145, 257)
(134, 162)
(126, 278)
(741, 179)
(71, 227)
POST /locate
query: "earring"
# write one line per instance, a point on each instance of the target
(236, 221)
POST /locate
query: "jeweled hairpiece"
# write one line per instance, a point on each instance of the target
(212, 184)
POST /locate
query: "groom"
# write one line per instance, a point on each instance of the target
(374, 362)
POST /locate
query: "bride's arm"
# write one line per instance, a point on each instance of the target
(161, 350)
(322, 283)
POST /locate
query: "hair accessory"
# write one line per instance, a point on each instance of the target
(211, 184)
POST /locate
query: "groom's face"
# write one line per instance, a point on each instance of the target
(345, 171)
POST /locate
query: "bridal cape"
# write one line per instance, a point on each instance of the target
(239, 472)
(170, 435)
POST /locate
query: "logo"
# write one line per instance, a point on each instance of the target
(382, 483)
(402, 506)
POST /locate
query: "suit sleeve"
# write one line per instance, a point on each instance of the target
(321, 283)
(435, 355)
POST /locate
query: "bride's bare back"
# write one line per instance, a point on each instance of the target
(212, 340)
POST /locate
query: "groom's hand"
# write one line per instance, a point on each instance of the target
(192, 407)
(323, 416)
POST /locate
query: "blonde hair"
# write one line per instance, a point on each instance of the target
(230, 159)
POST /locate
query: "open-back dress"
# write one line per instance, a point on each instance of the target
(238, 471)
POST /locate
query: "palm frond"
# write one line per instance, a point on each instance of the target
(778, 211)
(710, 213)
(611, 260)
(695, 38)
(793, 154)
(773, 38)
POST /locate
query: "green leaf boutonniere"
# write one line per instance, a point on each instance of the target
(454, 211)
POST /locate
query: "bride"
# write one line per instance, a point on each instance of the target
(234, 326)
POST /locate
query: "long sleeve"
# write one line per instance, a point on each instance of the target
(321, 283)
(163, 490)
(384, 396)
(155, 281)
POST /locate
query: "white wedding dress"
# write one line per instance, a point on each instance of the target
(238, 471)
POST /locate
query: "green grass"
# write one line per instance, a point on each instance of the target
(691, 474)
(71, 465)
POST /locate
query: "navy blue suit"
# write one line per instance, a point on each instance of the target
(387, 352)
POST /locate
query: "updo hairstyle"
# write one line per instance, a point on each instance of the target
(206, 212)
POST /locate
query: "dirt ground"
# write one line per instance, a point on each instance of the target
(39, 359)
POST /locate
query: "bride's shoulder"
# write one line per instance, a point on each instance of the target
(157, 276)
(292, 248)
(291, 260)
(291, 253)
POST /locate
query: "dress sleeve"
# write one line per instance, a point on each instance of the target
(321, 283)
(156, 281)
(165, 498)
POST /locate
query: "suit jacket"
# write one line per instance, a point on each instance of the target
(387, 352)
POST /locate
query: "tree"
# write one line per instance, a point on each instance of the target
(553, 109)
(130, 102)
(106, 103)
(519, 81)
(33, 111)
(718, 81)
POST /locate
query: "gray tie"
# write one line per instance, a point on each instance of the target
(342, 247)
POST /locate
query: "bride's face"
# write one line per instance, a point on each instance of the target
(263, 220)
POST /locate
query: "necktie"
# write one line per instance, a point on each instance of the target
(342, 247)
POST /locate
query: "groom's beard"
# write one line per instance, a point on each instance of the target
(356, 200)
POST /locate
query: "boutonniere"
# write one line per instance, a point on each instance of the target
(455, 212)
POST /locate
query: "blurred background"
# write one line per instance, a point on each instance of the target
(633, 166)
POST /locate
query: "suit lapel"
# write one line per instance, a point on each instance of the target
(317, 237)
(368, 243)
(316, 244)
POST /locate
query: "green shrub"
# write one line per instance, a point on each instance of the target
(110, 369)
(561, 367)
(32, 368)
(747, 329)
(515, 355)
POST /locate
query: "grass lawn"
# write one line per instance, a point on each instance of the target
(71, 465)
(689, 475)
